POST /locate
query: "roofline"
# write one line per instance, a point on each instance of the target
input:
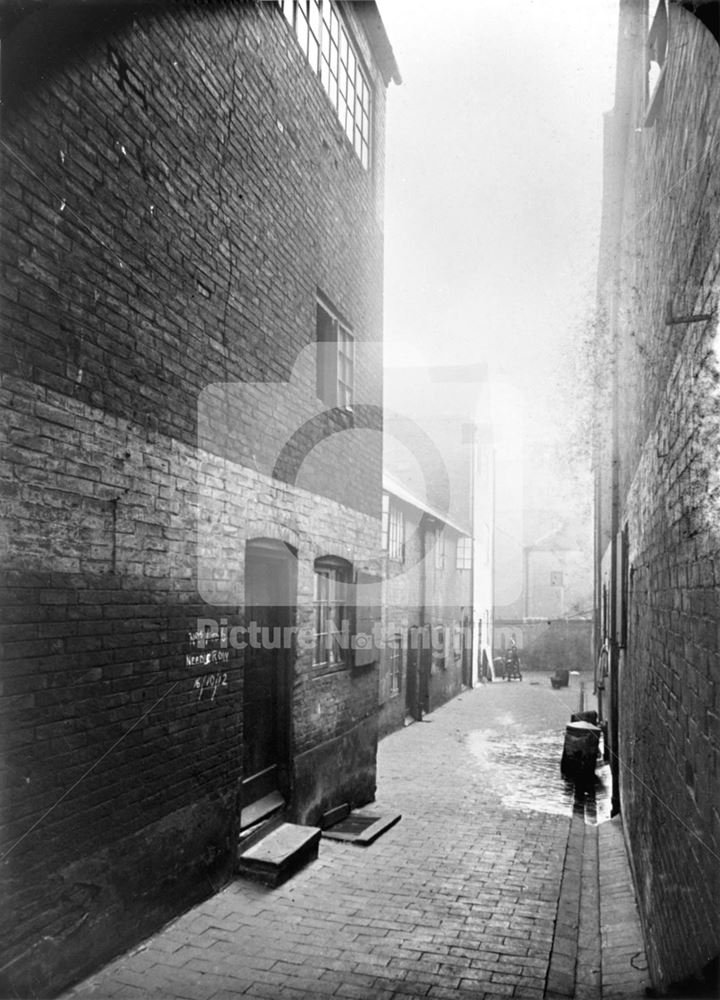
(369, 16)
(402, 493)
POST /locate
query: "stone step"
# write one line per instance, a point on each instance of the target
(260, 810)
(279, 854)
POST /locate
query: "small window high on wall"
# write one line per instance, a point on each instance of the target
(335, 359)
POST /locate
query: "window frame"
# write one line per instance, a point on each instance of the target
(335, 369)
(332, 53)
(395, 665)
(439, 645)
(333, 605)
(393, 528)
(463, 553)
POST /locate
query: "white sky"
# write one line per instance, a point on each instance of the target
(493, 185)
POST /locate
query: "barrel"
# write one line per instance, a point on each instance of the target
(580, 751)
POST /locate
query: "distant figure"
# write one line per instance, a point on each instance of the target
(485, 670)
(512, 662)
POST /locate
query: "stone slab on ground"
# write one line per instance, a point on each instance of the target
(279, 854)
(624, 964)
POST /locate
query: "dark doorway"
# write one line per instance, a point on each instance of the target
(426, 652)
(270, 595)
(419, 660)
(466, 651)
(412, 700)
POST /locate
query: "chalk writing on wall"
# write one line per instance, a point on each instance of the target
(208, 647)
(208, 685)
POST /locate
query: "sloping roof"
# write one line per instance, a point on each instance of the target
(397, 489)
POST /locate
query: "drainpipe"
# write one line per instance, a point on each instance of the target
(491, 637)
(474, 629)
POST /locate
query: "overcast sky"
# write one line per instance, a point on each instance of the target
(493, 186)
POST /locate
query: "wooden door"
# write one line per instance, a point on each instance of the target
(412, 703)
(270, 586)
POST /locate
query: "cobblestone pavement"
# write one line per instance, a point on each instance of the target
(459, 899)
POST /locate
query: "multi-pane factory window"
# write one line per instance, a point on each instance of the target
(332, 55)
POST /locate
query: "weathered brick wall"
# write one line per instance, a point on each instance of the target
(203, 153)
(176, 190)
(669, 685)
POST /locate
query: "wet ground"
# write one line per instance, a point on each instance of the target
(523, 764)
(458, 899)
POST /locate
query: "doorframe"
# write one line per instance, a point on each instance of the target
(285, 553)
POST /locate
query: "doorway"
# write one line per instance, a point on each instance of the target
(270, 596)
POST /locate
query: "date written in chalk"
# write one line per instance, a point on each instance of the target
(209, 685)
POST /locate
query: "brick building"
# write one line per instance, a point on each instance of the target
(657, 488)
(192, 255)
(437, 536)
(427, 607)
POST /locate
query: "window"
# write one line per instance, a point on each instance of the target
(438, 645)
(464, 553)
(393, 528)
(396, 651)
(657, 43)
(335, 359)
(458, 640)
(331, 618)
(333, 57)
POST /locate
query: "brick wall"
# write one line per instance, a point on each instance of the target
(665, 256)
(177, 189)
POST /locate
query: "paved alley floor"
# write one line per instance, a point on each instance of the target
(459, 899)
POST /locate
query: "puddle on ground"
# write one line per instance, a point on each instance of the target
(598, 803)
(523, 770)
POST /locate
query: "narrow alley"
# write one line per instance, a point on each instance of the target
(353, 354)
(459, 898)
